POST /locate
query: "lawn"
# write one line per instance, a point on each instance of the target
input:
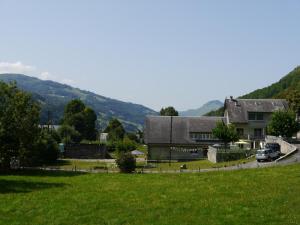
(257, 196)
(153, 166)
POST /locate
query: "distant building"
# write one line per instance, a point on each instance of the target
(179, 138)
(187, 138)
(251, 116)
(103, 137)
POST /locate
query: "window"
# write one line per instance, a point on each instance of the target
(255, 116)
(251, 116)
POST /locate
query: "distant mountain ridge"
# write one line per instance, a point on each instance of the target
(53, 97)
(207, 107)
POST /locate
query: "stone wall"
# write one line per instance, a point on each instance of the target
(85, 151)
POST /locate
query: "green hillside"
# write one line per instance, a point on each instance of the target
(54, 96)
(279, 89)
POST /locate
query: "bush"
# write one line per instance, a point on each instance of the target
(126, 162)
(125, 145)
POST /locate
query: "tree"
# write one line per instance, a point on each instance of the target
(19, 125)
(226, 133)
(68, 134)
(293, 98)
(283, 123)
(115, 130)
(126, 162)
(90, 117)
(80, 118)
(168, 111)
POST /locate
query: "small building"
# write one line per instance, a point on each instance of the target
(252, 116)
(179, 138)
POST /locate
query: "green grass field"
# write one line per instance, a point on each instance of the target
(153, 166)
(257, 196)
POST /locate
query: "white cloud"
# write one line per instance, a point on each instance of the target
(46, 76)
(17, 67)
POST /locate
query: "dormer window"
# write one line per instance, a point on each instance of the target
(256, 116)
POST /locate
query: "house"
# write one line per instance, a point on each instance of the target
(188, 138)
(179, 138)
(251, 116)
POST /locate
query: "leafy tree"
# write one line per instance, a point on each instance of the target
(168, 111)
(19, 121)
(126, 145)
(226, 133)
(69, 134)
(293, 98)
(90, 117)
(126, 162)
(82, 119)
(115, 130)
(283, 123)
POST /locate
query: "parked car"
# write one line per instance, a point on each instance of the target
(267, 154)
(273, 146)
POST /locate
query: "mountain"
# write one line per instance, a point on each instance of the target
(53, 97)
(207, 107)
(280, 89)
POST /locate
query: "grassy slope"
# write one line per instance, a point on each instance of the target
(262, 196)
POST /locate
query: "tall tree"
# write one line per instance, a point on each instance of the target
(19, 121)
(283, 124)
(293, 98)
(226, 133)
(81, 118)
(115, 130)
(168, 111)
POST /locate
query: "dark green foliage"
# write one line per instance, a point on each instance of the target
(126, 162)
(115, 130)
(19, 120)
(82, 119)
(291, 81)
(226, 133)
(293, 98)
(168, 111)
(125, 145)
(133, 136)
(20, 136)
(68, 134)
(45, 150)
(283, 124)
(54, 96)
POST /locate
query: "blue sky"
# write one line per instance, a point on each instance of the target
(156, 53)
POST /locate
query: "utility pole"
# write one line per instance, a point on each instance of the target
(171, 135)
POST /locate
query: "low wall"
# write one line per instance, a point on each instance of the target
(85, 151)
(285, 147)
(215, 155)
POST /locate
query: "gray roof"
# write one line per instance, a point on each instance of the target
(157, 128)
(238, 108)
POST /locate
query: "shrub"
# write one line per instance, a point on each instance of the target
(126, 162)
(125, 145)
